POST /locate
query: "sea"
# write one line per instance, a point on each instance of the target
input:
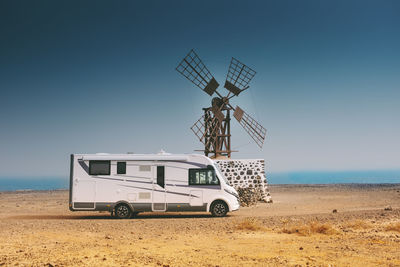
(299, 177)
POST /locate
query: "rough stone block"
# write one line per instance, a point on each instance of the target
(247, 176)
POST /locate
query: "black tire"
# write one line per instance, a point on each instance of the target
(122, 211)
(219, 209)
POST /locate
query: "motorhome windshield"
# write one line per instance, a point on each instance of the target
(219, 173)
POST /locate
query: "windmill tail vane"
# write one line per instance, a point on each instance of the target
(213, 128)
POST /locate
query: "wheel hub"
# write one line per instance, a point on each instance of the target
(122, 211)
(219, 209)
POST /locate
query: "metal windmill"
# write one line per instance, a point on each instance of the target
(213, 128)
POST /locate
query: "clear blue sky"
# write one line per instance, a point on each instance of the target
(99, 76)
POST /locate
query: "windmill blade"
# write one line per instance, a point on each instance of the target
(198, 129)
(205, 129)
(195, 71)
(238, 77)
(252, 127)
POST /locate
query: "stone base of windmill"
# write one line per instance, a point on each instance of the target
(248, 177)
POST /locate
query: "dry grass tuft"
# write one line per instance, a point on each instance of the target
(358, 224)
(322, 228)
(251, 224)
(311, 228)
(303, 230)
(393, 227)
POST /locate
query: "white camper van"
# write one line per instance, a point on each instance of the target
(126, 184)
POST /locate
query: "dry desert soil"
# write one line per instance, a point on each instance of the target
(298, 229)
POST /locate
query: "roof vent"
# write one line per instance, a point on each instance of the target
(162, 152)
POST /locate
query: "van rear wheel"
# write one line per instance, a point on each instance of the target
(123, 211)
(219, 209)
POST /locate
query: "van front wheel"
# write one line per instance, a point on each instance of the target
(122, 211)
(219, 209)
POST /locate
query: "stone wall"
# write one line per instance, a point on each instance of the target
(247, 174)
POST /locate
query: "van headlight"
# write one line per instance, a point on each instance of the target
(232, 193)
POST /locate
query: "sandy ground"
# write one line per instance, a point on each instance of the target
(298, 229)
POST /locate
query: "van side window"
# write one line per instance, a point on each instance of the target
(161, 176)
(145, 168)
(121, 167)
(99, 167)
(202, 177)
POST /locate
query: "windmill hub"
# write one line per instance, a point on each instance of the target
(213, 128)
(219, 102)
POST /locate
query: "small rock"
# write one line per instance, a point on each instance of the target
(300, 248)
(334, 211)
(49, 265)
(388, 208)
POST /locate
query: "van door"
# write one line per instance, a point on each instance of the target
(196, 198)
(159, 194)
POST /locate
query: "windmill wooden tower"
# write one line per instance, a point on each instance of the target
(213, 128)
